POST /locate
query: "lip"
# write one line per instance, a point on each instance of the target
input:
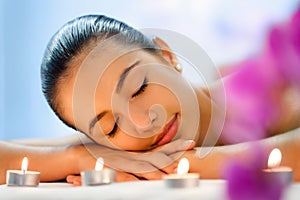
(168, 133)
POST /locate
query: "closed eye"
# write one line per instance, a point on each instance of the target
(141, 89)
(114, 130)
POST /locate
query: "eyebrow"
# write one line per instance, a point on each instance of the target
(95, 120)
(119, 87)
(124, 75)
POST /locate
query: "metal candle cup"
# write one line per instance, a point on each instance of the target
(22, 177)
(18, 178)
(282, 173)
(98, 176)
(182, 179)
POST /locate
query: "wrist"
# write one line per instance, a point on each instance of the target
(79, 158)
(72, 158)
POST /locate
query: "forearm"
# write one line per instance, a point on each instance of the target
(54, 163)
(211, 165)
(289, 111)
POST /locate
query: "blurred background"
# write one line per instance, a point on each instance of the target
(228, 30)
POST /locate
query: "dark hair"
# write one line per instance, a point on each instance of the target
(71, 40)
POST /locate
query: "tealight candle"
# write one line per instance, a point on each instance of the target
(182, 179)
(22, 177)
(285, 174)
(99, 176)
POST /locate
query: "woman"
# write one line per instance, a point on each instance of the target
(125, 92)
(110, 58)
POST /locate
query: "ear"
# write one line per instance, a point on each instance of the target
(166, 51)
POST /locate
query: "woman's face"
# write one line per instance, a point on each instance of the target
(125, 99)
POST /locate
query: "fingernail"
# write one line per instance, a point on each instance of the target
(70, 178)
(186, 144)
(77, 183)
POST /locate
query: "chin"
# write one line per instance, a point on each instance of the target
(136, 148)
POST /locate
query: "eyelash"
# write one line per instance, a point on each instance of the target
(137, 93)
(141, 89)
(114, 130)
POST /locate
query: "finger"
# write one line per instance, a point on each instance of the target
(139, 167)
(176, 146)
(171, 168)
(154, 175)
(176, 156)
(157, 159)
(75, 180)
(151, 165)
(70, 178)
(139, 162)
(134, 162)
(77, 183)
(125, 177)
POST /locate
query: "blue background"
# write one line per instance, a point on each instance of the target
(228, 30)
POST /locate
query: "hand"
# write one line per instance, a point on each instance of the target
(150, 165)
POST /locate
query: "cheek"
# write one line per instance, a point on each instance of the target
(153, 95)
(139, 110)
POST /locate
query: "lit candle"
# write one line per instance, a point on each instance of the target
(22, 177)
(98, 176)
(182, 179)
(285, 174)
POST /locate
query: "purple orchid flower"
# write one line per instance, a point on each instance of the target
(251, 109)
(252, 101)
(283, 47)
(246, 181)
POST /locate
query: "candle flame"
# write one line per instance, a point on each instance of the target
(24, 164)
(99, 164)
(183, 166)
(274, 158)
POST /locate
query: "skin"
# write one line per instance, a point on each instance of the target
(46, 159)
(44, 155)
(209, 166)
(287, 143)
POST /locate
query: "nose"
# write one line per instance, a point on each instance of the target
(141, 115)
(143, 124)
(156, 117)
(152, 116)
(146, 124)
